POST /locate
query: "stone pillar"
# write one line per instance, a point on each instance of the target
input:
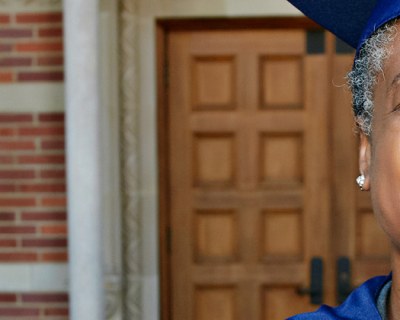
(84, 177)
(129, 81)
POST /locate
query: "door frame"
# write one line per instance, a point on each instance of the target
(163, 28)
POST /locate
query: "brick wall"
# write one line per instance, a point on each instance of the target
(32, 188)
(31, 47)
(52, 305)
(33, 215)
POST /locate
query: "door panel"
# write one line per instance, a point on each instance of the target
(249, 188)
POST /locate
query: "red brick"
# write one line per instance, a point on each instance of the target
(41, 131)
(54, 202)
(18, 256)
(44, 297)
(51, 117)
(53, 145)
(6, 77)
(7, 188)
(8, 297)
(48, 159)
(50, 61)
(5, 47)
(15, 62)
(60, 229)
(51, 32)
(5, 243)
(54, 174)
(16, 117)
(48, 17)
(15, 33)
(4, 18)
(17, 174)
(7, 216)
(44, 216)
(42, 188)
(54, 256)
(44, 243)
(56, 312)
(39, 47)
(17, 202)
(7, 132)
(18, 312)
(17, 229)
(17, 145)
(41, 76)
(6, 159)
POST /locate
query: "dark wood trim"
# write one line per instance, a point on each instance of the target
(163, 27)
(187, 24)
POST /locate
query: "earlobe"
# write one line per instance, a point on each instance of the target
(365, 161)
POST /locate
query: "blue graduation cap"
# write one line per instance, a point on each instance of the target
(353, 21)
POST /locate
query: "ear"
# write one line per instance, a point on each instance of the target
(365, 159)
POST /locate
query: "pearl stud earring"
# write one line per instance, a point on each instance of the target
(360, 181)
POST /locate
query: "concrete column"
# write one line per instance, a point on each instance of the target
(83, 119)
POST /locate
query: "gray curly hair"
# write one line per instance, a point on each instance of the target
(363, 77)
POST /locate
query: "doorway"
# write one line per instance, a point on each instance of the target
(257, 162)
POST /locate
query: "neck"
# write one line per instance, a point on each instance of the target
(394, 304)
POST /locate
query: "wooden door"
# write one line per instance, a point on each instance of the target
(259, 175)
(248, 169)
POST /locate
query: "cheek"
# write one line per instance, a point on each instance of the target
(385, 183)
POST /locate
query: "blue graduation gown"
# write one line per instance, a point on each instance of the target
(360, 305)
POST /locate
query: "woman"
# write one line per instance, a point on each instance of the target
(373, 29)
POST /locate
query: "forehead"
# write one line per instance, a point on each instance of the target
(386, 90)
(390, 75)
(391, 67)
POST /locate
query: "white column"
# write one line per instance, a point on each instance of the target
(83, 130)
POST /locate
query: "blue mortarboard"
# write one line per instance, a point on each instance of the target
(353, 21)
